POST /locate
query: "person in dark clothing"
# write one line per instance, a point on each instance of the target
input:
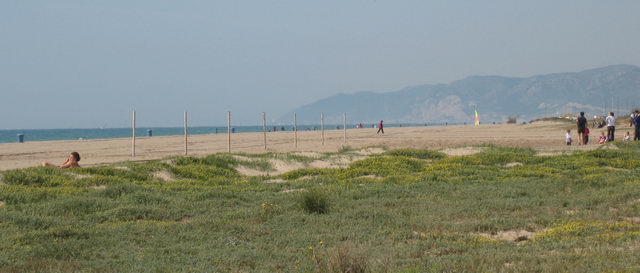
(636, 122)
(582, 125)
(380, 127)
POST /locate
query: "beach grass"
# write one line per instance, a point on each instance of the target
(500, 210)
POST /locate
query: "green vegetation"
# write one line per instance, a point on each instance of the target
(314, 201)
(401, 211)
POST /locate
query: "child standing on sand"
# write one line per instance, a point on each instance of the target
(568, 137)
(585, 136)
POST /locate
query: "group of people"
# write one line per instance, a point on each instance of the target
(610, 122)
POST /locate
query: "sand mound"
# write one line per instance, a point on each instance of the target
(79, 175)
(251, 172)
(1, 203)
(512, 164)
(370, 151)
(462, 151)
(334, 162)
(371, 176)
(282, 166)
(101, 187)
(513, 235)
(308, 154)
(635, 220)
(293, 190)
(275, 181)
(550, 153)
(279, 167)
(164, 175)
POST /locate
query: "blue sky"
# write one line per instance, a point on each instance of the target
(71, 64)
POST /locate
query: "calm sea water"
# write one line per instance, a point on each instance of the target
(72, 134)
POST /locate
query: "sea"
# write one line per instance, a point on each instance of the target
(29, 135)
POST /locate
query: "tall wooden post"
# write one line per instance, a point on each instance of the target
(264, 128)
(133, 134)
(295, 130)
(186, 132)
(229, 131)
(344, 127)
(322, 126)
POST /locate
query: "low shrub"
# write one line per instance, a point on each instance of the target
(204, 172)
(383, 166)
(496, 156)
(39, 176)
(219, 160)
(295, 174)
(415, 153)
(314, 201)
(123, 172)
(118, 190)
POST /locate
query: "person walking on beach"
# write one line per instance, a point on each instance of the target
(636, 123)
(72, 162)
(380, 127)
(611, 126)
(582, 125)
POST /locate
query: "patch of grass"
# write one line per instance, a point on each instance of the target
(204, 172)
(415, 153)
(314, 201)
(38, 176)
(496, 156)
(286, 157)
(295, 174)
(122, 172)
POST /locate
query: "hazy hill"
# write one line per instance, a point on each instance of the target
(495, 97)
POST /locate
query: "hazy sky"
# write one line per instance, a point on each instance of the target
(71, 64)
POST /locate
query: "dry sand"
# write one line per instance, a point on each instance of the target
(546, 137)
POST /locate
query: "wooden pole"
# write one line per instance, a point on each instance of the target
(295, 130)
(344, 127)
(264, 128)
(186, 132)
(322, 126)
(133, 134)
(229, 131)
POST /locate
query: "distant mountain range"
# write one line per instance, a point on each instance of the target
(495, 98)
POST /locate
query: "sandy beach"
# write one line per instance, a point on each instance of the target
(547, 137)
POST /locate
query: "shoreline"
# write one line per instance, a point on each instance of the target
(72, 134)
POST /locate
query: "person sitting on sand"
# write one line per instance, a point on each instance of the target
(568, 137)
(602, 138)
(72, 162)
(627, 137)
